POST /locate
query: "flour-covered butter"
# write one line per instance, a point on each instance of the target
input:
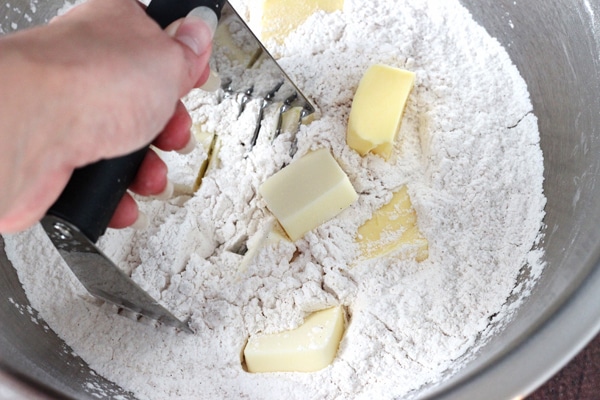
(392, 227)
(277, 18)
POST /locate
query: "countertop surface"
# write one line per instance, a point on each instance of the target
(578, 380)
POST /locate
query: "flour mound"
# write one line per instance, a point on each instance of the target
(469, 153)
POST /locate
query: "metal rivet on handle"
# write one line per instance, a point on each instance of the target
(63, 231)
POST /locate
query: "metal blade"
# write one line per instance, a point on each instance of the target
(101, 277)
(247, 67)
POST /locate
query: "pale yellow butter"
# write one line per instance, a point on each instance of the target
(308, 192)
(277, 18)
(293, 118)
(310, 347)
(377, 109)
(392, 227)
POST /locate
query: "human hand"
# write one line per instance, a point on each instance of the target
(99, 82)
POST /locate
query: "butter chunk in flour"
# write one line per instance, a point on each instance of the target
(377, 109)
(308, 192)
(469, 153)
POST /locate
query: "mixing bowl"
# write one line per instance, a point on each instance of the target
(554, 43)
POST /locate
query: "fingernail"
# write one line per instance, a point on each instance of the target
(208, 16)
(213, 83)
(141, 222)
(167, 193)
(188, 32)
(190, 146)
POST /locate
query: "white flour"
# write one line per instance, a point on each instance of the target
(469, 153)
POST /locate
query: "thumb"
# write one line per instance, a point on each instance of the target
(194, 34)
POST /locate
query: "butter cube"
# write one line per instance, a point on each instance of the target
(377, 109)
(275, 19)
(310, 347)
(308, 192)
(392, 227)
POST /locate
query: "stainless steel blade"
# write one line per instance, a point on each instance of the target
(101, 277)
(246, 66)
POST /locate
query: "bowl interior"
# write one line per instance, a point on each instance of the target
(554, 44)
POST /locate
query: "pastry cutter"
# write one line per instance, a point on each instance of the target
(82, 212)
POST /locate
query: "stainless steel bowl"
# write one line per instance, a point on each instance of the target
(555, 44)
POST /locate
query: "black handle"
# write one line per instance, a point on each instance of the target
(93, 193)
(166, 11)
